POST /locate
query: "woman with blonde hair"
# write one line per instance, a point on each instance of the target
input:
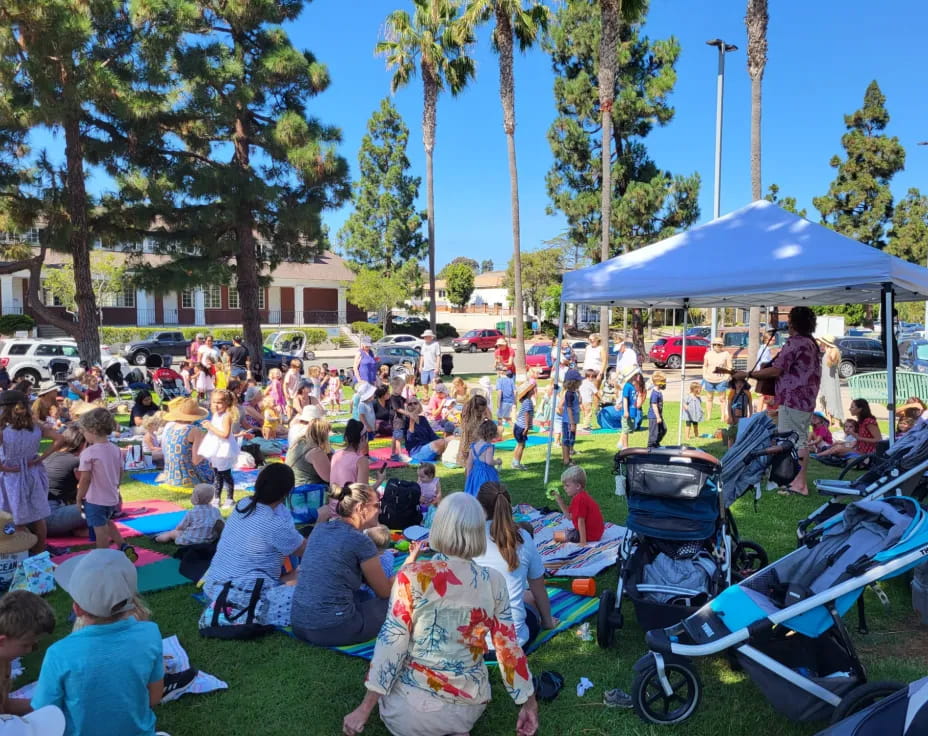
(425, 685)
(309, 455)
(829, 390)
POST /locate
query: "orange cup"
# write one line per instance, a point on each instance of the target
(584, 586)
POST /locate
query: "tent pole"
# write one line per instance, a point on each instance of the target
(889, 341)
(554, 377)
(682, 374)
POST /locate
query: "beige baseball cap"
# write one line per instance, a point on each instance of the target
(102, 582)
(47, 721)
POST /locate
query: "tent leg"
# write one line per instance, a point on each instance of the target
(889, 340)
(686, 303)
(555, 369)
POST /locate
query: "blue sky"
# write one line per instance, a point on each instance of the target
(822, 55)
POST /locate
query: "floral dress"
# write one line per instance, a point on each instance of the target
(24, 494)
(435, 634)
(179, 468)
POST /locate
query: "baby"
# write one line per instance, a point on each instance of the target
(845, 446)
(201, 525)
(429, 485)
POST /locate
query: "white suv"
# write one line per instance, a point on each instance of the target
(30, 358)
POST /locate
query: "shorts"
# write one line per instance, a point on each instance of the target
(398, 434)
(793, 420)
(573, 536)
(424, 454)
(505, 410)
(691, 424)
(568, 437)
(408, 711)
(97, 515)
(715, 388)
(628, 424)
(426, 377)
(520, 434)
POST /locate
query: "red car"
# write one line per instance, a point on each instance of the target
(539, 357)
(476, 340)
(666, 351)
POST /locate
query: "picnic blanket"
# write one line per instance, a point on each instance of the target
(161, 575)
(156, 523)
(574, 560)
(133, 510)
(146, 556)
(570, 609)
(381, 455)
(244, 480)
(531, 441)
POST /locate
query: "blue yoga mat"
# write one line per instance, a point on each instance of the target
(244, 479)
(156, 523)
(531, 441)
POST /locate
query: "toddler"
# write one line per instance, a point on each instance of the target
(568, 409)
(429, 485)
(692, 411)
(185, 376)
(291, 384)
(587, 394)
(271, 411)
(398, 414)
(739, 406)
(204, 383)
(481, 466)
(92, 392)
(657, 428)
(904, 425)
(380, 536)
(333, 393)
(100, 466)
(151, 441)
(820, 438)
(220, 446)
(523, 424)
(315, 376)
(584, 512)
(53, 419)
(846, 446)
(506, 388)
(24, 619)
(275, 390)
(202, 524)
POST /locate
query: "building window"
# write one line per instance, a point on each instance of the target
(261, 297)
(27, 237)
(125, 298)
(50, 299)
(186, 299)
(233, 296)
(212, 297)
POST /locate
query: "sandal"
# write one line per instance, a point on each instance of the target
(548, 685)
(786, 491)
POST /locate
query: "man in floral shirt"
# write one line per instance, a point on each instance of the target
(798, 370)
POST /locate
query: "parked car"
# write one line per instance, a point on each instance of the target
(579, 349)
(913, 355)
(699, 332)
(475, 340)
(667, 351)
(735, 341)
(160, 343)
(403, 341)
(539, 357)
(29, 359)
(860, 354)
(269, 359)
(397, 355)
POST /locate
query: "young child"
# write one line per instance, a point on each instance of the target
(524, 416)
(333, 393)
(271, 410)
(151, 440)
(629, 406)
(820, 438)
(545, 407)
(739, 406)
(100, 469)
(107, 675)
(398, 412)
(92, 392)
(380, 536)
(291, 384)
(24, 619)
(657, 428)
(409, 389)
(904, 425)
(221, 375)
(587, 394)
(506, 388)
(204, 383)
(184, 370)
(568, 408)
(584, 512)
(480, 466)
(300, 400)
(315, 377)
(429, 485)
(365, 394)
(845, 446)
(220, 445)
(53, 419)
(202, 524)
(275, 390)
(692, 411)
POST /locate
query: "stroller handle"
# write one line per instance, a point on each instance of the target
(687, 452)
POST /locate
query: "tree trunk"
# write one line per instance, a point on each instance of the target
(429, 121)
(608, 60)
(34, 306)
(86, 329)
(507, 94)
(756, 194)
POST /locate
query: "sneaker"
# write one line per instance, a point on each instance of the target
(617, 699)
(400, 459)
(178, 683)
(228, 504)
(517, 466)
(129, 551)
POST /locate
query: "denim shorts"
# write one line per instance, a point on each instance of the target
(505, 410)
(426, 377)
(97, 515)
(568, 438)
(424, 454)
(715, 388)
(520, 434)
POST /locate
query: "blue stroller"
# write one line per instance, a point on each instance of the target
(905, 713)
(783, 625)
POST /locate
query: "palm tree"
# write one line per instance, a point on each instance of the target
(756, 22)
(435, 39)
(524, 24)
(612, 14)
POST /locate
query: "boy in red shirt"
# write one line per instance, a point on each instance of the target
(583, 511)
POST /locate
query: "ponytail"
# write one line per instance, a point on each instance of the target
(497, 506)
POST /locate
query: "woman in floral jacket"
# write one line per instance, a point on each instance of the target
(428, 673)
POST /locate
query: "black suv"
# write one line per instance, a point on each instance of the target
(860, 354)
(157, 343)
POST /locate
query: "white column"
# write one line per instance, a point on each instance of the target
(199, 307)
(143, 315)
(298, 304)
(169, 306)
(342, 305)
(6, 293)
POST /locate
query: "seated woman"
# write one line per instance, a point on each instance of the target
(422, 444)
(350, 465)
(257, 536)
(328, 608)
(309, 455)
(382, 414)
(300, 422)
(180, 442)
(511, 551)
(427, 685)
(868, 431)
(61, 467)
(143, 407)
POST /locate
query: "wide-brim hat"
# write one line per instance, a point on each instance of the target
(828, 340)
(365, 341)
(501, 341)
(313, 411)
(251, 393)
(13, 540)
(49, 390)
(184, 409)
(524, 390)
(717, 341)
(364, 390)
(629, 371)
(428, 333)
(12, 397)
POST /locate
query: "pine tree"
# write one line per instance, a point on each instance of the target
(859, 203)
(247, 187)
(908, 237)
(786, 203)
(384, 231)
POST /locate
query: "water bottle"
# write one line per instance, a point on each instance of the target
(620, 485)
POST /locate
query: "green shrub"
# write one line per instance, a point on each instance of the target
(315, 336)
(549, 329)
(118, 335)
(366, 328)
(10, 324)
(418, 326)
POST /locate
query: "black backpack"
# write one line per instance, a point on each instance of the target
(399, 507)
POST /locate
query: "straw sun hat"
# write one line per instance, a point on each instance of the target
(13, 540)
(184, 410)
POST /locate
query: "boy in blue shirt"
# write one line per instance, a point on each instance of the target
(507, 396)
(656, 426)
(107, 675)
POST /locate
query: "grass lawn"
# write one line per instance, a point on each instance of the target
(280, 686)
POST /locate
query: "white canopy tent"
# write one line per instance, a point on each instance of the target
(760, 255)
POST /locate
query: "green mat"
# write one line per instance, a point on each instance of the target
(160, 576)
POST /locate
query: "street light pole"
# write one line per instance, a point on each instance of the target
(723, 48)
(925, 323)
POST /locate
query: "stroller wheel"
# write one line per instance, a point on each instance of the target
(652, 704)
(748, 558)
(609, 618)
(863, 696)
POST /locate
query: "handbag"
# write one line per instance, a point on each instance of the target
(35, 574)
(223, 618)
(304, 502)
